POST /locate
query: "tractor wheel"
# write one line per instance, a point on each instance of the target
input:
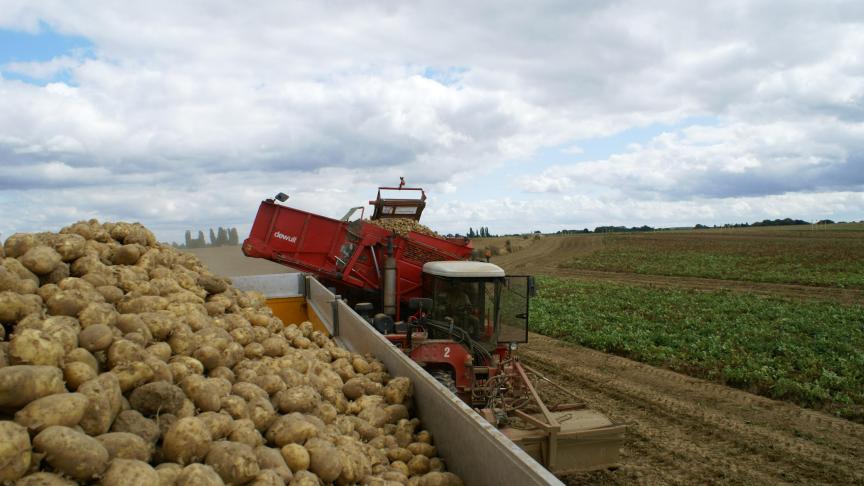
(445, 378)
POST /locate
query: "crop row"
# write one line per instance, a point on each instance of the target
(807, 352)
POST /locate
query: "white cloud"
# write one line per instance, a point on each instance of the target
(188, 113)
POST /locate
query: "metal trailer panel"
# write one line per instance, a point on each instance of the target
(276, 285)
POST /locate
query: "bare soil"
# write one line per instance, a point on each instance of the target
(229, 261)
(544, 256)
(683, 430)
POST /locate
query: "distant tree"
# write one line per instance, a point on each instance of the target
(201, 241)
(213, 240)
(471, 232)
(825, 221)
(700, 226)
(188, 239)
(233, 237)
(222, 237)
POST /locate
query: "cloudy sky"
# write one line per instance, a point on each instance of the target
(513, 115)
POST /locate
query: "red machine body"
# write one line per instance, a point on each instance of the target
(347, 254)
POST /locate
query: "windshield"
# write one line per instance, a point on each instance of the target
(470, 303)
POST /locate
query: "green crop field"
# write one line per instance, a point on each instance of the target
(807, 352)
(831, 256)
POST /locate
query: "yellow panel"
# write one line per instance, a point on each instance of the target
(293, 310)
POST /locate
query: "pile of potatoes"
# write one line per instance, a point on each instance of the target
(402, 226)
(125, 361)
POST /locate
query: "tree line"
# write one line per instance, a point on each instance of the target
(220, 237)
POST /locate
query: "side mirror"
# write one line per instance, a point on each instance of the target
(532, 287)
(281, 197)
(418, 303)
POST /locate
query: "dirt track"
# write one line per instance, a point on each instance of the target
(683, 430)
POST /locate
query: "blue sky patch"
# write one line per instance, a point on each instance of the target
(17, 46)
(448, 76)
(46, 44)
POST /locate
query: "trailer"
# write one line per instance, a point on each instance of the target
(471, 446)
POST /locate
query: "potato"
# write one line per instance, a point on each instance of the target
(168, 472)
(9, 280)
(418, 465)
(130, 472)
(154, 398)
(40, 260)
(420, 448)
(71, 452)
(296, 456)
(19, 243)
(423, 436)
(123, 351)
(104, 396)
(209, 356)
(96, 337)
(98, 313)
(298, 399)
(206, 393)
(244, 431)
(126, 255)
(261, 412)
(397, 390)
(21, 384)
(271, 459)
(137, 305)
(188, 440)
(126, 445)
(14, 307)
(110, 293)
(161, 351)
(70, 247)
(354, 388)
(32, 346)
(44, 479)
(69, 302)
(267, 477)
(15, 453)
(440, 479)
(212, 284)
(234, 462)
(399, 454)
(62, 329)
(219, 424)
(292, 428)
(132, 375)
(61, 409)
(325, 461)
(235, 406)
(60, 272)
(224, 373)
(270, 383)
(304, 478)
(133, 422)
(198, 475)
(83, 356)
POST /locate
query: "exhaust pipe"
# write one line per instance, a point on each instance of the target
(389, 306)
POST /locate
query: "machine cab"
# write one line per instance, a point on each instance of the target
(480, 299)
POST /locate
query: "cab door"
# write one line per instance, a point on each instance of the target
(516, 291)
